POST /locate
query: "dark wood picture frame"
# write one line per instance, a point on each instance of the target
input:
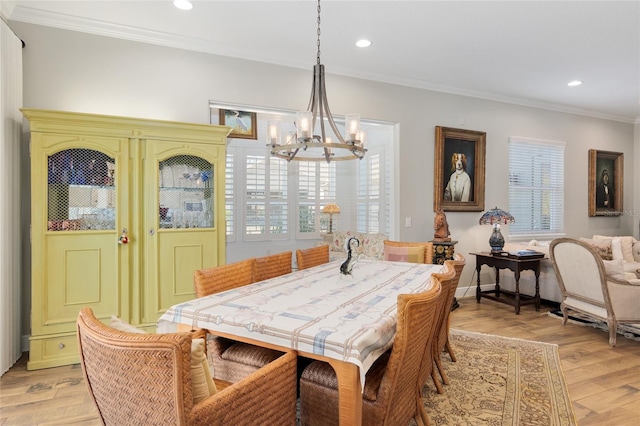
(609, 166)
(243, 123)
(466, 193)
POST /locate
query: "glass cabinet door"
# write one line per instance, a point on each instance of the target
(186, 193)
(81, 191)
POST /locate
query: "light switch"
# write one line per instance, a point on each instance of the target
(407, 222)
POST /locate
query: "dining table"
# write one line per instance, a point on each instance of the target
(345, 320)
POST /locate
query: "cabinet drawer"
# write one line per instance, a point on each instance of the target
(53, 351)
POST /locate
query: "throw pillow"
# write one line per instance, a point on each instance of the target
(404, 254)
(202, 383)
(121, 325)
(614, 269)
(602, 247)
(616, 249)
(626, 242)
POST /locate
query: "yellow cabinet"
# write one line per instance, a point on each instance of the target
(123, 210)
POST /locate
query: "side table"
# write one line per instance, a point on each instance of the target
(444, 250)
(516, 264)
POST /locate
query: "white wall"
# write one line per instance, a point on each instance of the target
(66, 70)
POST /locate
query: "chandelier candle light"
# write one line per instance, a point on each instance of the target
(495, 217)
(318, 147)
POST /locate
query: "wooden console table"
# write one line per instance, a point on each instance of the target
(516, 264)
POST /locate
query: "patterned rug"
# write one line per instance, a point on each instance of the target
(500, 381)
(630, 331)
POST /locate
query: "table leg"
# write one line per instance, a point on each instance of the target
(517, 291)
(537, 271)
(478, 268)
(349, 392)
(497, 282)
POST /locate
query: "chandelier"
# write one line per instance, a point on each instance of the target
(304, 145)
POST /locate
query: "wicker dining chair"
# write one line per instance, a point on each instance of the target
(310, 257)
(145, 379)
(231, 360)
(392, 389)
(272, 266)
(443, 340)
(428, 247)
(432, 358)
(225, 277)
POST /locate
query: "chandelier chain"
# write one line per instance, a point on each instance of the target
(318, 56)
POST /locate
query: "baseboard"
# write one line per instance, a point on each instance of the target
(462, 292)
(24, 343)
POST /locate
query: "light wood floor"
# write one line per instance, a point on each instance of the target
(604, 382)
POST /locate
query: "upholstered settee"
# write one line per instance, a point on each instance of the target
(371, 245)
(625, 248)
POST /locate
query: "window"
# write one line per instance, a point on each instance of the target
(268, 199)
(316, 187)
(229, 205)
(266, 205)
(368, 209)
(536, 187)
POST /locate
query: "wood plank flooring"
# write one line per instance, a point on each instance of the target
(604, 382)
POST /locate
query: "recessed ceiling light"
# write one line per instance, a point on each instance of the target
(183, 4)
(363, 43)
(574, 83)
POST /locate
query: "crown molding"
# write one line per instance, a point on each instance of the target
(161, 38)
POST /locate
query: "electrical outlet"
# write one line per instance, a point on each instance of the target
(407, 222)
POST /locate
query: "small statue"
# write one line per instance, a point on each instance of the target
(347, 266)
(441, 227)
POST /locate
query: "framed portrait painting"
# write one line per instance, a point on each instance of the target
(459, 170)
(243, 123)
(605, 183)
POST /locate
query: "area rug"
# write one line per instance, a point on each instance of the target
(629, 331)
(500, 381)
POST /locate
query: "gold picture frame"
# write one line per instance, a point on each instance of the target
(460, 189)
(243, 123)
(606, 183)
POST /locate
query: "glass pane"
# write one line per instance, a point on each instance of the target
(186, 193)
(81, 191)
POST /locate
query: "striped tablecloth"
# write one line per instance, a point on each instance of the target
(317, 310)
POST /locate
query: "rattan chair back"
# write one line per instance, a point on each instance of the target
(307, 258)
(443, 340)
(272, 266)
(224, 277)
(392, 394)
(145, 379)
(428, 247)
(446, 278)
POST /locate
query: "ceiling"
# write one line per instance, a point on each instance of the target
(522, 52)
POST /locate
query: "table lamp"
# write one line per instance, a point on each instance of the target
(331, 209)
(495, 217)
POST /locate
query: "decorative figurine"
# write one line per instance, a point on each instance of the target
(350, 245)
(441, 227)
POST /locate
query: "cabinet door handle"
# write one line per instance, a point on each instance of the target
(124, 238)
